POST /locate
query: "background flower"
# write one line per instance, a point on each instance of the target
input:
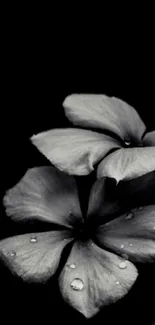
(92, 277)
(124, 150)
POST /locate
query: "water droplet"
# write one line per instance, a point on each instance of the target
(77, 284)
(13, 253)
(122, 265)
(117, 282)
(127, 142)
(129, 215)
(130, 245)
(72, 266)
(33, 239)
(140, 208)
(122, 246)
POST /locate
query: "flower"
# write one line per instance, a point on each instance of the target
(98, 271)
(125, 153)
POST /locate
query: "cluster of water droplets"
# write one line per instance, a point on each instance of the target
(77, 283)
(129, 216)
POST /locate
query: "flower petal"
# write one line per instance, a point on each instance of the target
(138, 191)
(149, 139)
(74, 151)
(103, 203)
(132, 234)
(47, 194)
(92, 278)
(127, 163)
(108, 113)
(34, 257)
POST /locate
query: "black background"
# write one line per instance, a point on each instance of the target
(41, 67)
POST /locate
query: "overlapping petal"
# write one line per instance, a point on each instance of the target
(34, 257)
(47, 194)
(74, 151)
(103, 201)
(132, 234)
(138, 191)
(149, 139)
(128, 163)
(93, 278)
(106, 113)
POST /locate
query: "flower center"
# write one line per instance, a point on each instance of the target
(84, 231)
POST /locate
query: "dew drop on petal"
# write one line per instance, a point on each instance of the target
(33, 239)
(127, 143)
(129, 215)
(122, 246)
(122, 265)
(77, 284)
(140, 208)
(70, 213)
(13, 253)
(72, 266)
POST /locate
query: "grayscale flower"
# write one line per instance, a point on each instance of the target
(105, 243)
(125, 153)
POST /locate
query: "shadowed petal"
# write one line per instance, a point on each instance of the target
(137, 191)
(34, 257)
(103, 203)
(93, 278)
(47, 194)
(149, 139)
(74, 151)
(127, 163)
(107, 113)
(132, 234)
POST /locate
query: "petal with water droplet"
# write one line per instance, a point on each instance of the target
(94, 282)
(34, 262)
(137, 235)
